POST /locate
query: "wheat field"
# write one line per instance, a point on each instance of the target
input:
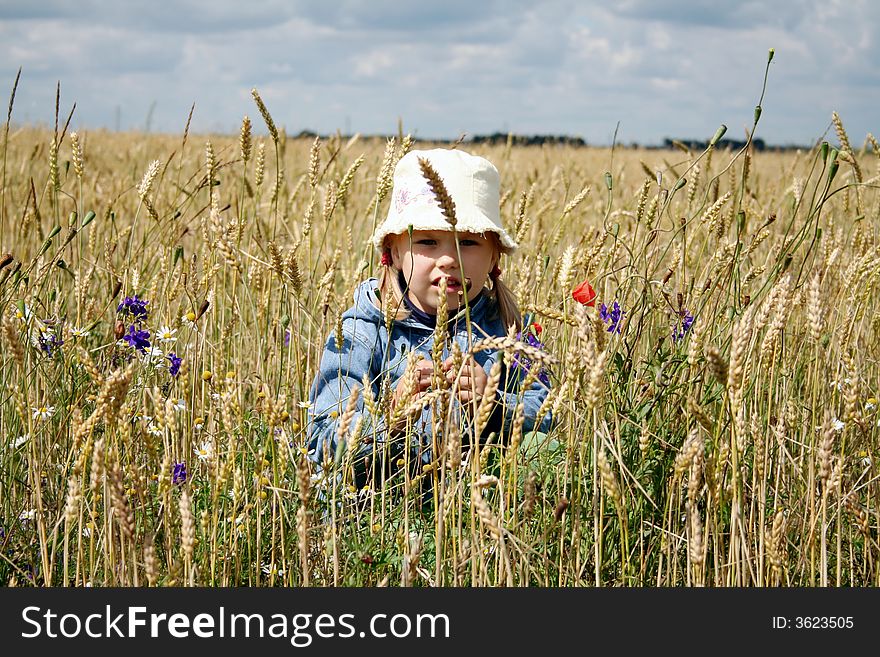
(717, 427)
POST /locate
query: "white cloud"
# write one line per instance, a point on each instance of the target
(667, 84)
(659, 38)
(662, 68)
(371, 63)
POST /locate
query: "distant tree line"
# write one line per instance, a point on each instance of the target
(668, 143)
(527, 140)
(697, 145)
(501, 138)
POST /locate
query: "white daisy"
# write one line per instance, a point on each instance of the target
(188, 320)
(273, 569)
(24, 315)
(43, 412)
(21, 440)
(166, 334)
(78, 332)
(871, 404)
(27, 515)
(155, 354)
(205, 451)
(179, 404)
(837, 424)
(154, 429)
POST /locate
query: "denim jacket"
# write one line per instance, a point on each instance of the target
(368, 349)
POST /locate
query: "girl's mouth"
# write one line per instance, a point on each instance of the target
(453, 285)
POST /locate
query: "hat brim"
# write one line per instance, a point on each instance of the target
(472, 223)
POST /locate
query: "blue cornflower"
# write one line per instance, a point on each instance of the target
(611, 316)
(133, 306)
(178, 475)
(174, 368)
(544, 378)
(687, 321)
(532, 341)
(48, 341)
(138, 338)
(523, 362)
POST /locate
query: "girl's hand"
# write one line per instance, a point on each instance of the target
(424, 374)
(471, 383)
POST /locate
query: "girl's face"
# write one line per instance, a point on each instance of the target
(431, 255)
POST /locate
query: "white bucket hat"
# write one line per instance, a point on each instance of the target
(472, 182)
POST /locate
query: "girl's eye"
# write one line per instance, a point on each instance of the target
(468, 242)
(426, 242)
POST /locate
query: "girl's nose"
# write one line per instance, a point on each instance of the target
(447, 261)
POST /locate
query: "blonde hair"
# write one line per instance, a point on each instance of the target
(391, 294)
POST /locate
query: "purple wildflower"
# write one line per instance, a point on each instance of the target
(687, 321)
(612, 316)
(178, 475)
(138, 338)
(524, 363)
(133, 306)
(174, 368)
(49, 341)
(544, 378)
(287, 338)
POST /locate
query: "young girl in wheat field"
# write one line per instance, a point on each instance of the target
(418, 372)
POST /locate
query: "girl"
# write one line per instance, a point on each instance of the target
(392, 327)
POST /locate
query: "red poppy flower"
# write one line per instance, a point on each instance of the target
(585, 294)
(537, 328)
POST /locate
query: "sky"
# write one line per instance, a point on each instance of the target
(649, 69)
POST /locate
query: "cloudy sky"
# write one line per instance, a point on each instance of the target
(661, 68)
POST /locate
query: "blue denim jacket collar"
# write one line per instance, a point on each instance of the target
(366, 307)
